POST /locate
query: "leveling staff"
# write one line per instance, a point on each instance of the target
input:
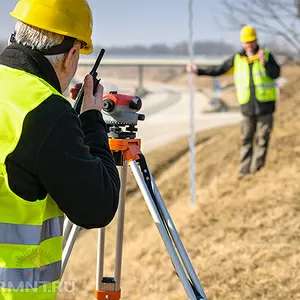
(51, 161)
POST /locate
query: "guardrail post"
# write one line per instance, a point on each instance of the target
(213, 99)
(140, 88)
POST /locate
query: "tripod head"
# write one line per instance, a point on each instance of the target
(120, 114)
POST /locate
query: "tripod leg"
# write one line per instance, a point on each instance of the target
(109, 288)
(120, 227)
(100, 258)
(162, 230)
(66, 230)
(69, 246)
(175, 236)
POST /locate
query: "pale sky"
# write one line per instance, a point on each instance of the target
(129, 22)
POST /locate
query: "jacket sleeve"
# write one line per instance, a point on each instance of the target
(217, 70)
(272, 68)
(76, 167)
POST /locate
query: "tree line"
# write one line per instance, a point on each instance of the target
(206, 48)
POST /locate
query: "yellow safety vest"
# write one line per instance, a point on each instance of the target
(30, 232)
(265, 86)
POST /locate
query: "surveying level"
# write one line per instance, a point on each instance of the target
(120, 114)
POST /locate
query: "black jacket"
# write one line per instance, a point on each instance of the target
(62, 154)
(253, 107)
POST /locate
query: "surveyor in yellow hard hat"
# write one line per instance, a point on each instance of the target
(254, 70)
(52, 161)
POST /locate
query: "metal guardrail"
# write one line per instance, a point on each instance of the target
(156, 61)
(148, 62)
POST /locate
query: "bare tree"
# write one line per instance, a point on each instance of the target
(279, 18)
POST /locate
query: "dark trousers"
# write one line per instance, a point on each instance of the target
(256, 129)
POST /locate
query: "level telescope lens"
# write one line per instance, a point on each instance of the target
(136, 103)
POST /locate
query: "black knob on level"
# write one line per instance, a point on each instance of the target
(108, 105)
(136, 103)
(141, 117)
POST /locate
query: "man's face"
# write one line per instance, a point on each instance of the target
(250, 47)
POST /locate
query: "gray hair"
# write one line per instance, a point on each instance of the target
(39, 39)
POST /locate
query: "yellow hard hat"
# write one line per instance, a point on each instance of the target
(247, 34)
(72, 18)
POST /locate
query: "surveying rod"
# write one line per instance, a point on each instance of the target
(192, 110)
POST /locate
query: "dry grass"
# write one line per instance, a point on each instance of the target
(243, 238)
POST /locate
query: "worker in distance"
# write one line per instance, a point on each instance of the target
(255, 71)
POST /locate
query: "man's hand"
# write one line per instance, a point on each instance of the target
(191, 69)
(261, 56)
(90, 101)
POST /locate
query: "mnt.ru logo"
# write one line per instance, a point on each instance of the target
(31, 265)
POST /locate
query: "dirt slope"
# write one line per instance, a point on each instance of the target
(243, 238)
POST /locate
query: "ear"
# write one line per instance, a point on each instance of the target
(69, 59)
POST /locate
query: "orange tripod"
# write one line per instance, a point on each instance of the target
(127, 151)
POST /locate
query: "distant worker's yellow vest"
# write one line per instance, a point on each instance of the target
(30, 232)
(265, 86)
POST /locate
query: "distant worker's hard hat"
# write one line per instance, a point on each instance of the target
(71, 18)
(247, 34)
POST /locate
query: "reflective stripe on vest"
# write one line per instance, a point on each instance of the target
(21, 234)
(265, 86)
(30, 231)
(19, 278)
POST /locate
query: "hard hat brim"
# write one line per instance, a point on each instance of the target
(248, 40)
